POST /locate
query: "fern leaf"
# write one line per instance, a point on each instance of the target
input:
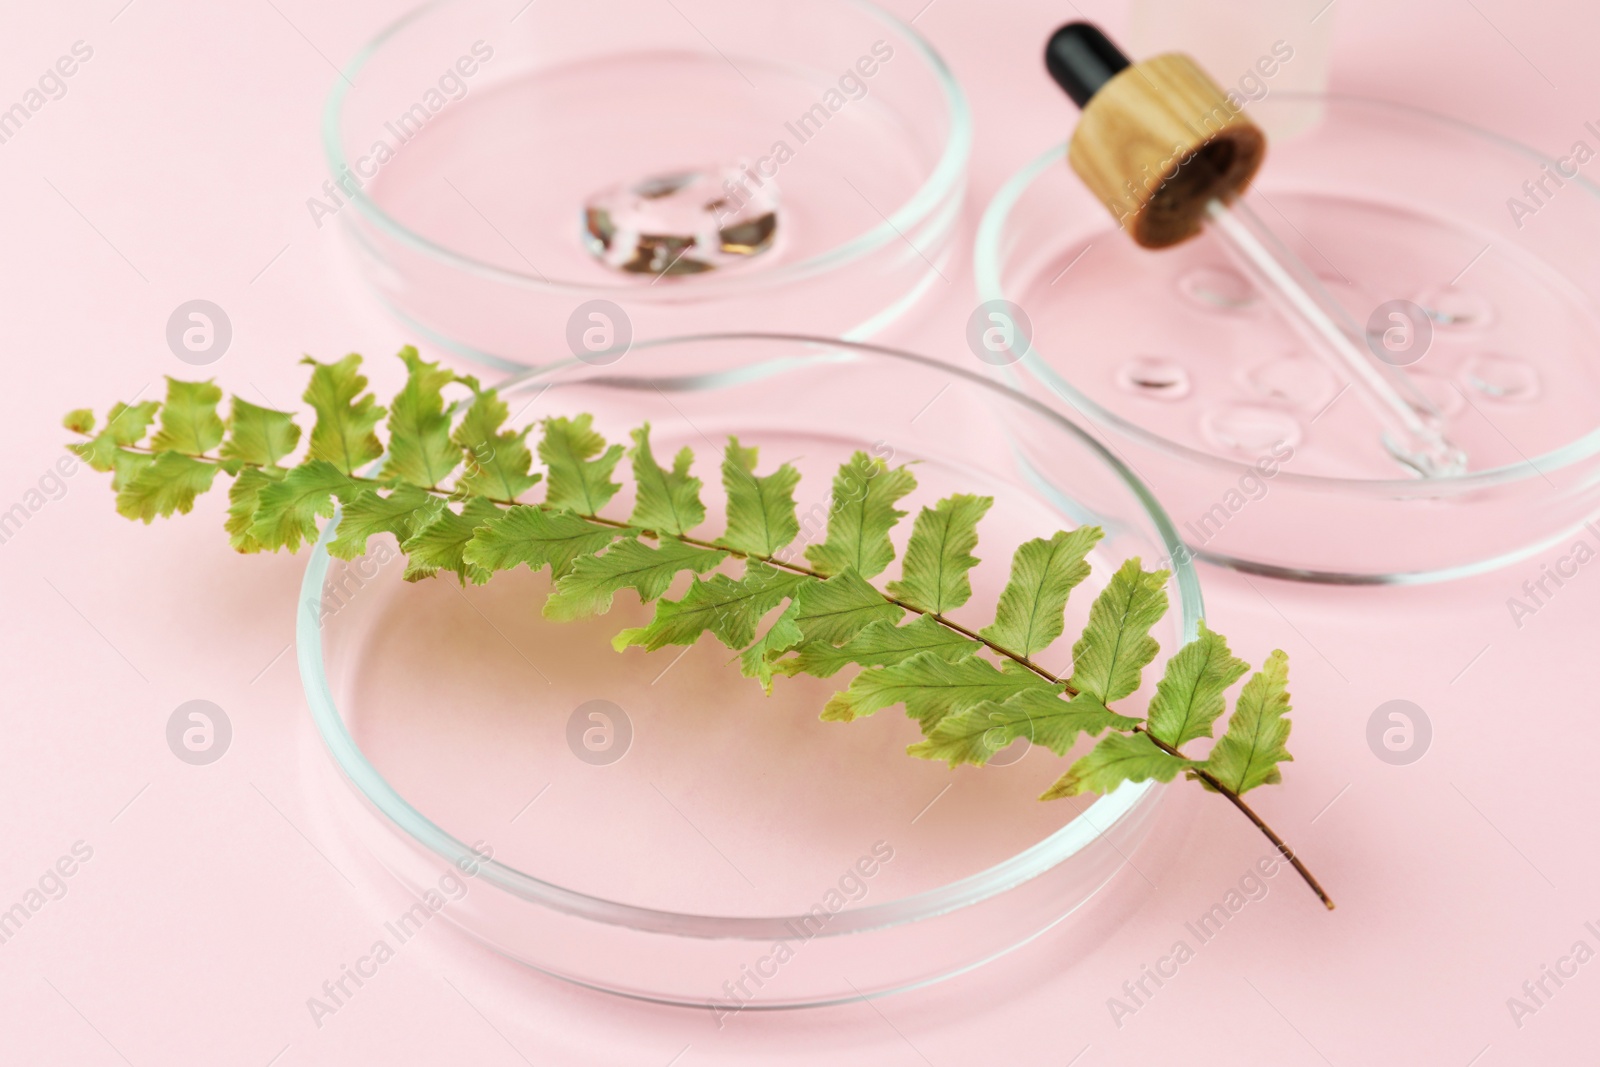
(758, 660)
(126, 466)
(933, 576)
(1043, 717)
(498, 462)
(860, 517)
(126, 425)
(881, 644)
(835, 610)
(1258, 731)
(1116, 644)
(165, 485)
(932, 687)
(405, 509)
(244, 499)
(761, 510)
(257, 435)
(346, 416)
(1191, 694)
(588, 587)
(531, 535)
(440, 543)
(288, 509)
(666, 501)
(1043, 574)
(578, 480)
(420, 449)
(1116, 759)
(189, 419)
(823, 613)
(729, 608)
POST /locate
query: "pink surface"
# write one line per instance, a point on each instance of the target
(177, 165)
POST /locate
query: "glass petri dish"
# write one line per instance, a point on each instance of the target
(478, 147)
(710, 832)
(1265, 463)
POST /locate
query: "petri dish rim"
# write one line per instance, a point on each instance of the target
(946, 178)
(1094, 821)
(987, 257)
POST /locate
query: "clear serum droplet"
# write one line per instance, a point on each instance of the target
(1249, 429)
(1455, 308)
(1501, 377)
(1441, 392)
(685, 222)
(1155, 377)
(1299, 381)
(1217, 289)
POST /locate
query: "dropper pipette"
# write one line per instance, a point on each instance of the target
(1165, 150)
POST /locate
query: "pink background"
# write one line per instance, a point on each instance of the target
(177, 166)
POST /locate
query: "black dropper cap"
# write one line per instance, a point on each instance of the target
(1081, 59)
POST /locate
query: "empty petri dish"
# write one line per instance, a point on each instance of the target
(507, 171)
(652, 824)
(1392, 207)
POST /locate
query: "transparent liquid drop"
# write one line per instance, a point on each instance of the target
(1298, 381)
(1217, 289)
(1250, 429)
(1501, 377)
(1155, 377)
(687, 222)
(1441, 392)
(1454, 308)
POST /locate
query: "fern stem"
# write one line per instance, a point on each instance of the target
(1249, 813)
(810, 572)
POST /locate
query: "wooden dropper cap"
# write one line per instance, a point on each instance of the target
(1157, 141)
